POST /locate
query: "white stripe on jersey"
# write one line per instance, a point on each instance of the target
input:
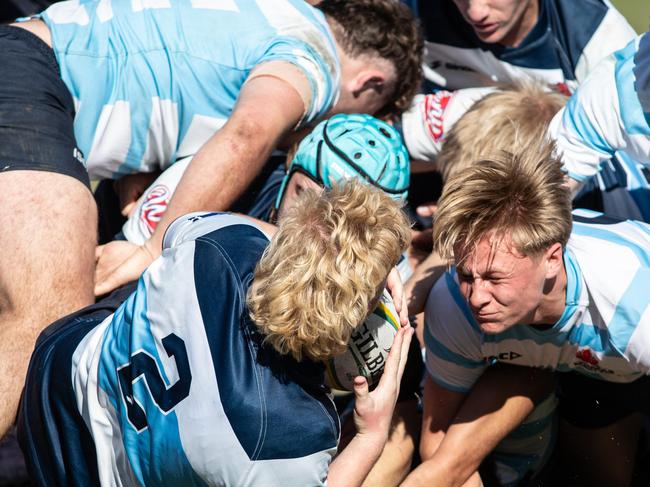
(97, 411)
(605, 114)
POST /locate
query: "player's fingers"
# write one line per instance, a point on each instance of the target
(128, 208)
(360, 385)
(396, 290)
(427, 210)
(120, 276)
(404, 313)
(404, 352)
(391, 368)
(98, 252)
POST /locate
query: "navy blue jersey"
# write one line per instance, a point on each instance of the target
(176, 387)
(570, 37)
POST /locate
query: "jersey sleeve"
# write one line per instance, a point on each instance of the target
(430, 118)
(319, 64)
(452, 338)
(613, 33)
(608, 113)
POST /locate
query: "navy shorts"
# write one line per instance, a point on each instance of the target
(36, 109)
(593, 403)
(57, 445)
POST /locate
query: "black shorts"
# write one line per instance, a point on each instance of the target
(57, 445)
(593, 403)
(36, 109)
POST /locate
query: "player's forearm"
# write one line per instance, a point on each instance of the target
(351, 467)
(420, 283)
(435, 472)
(267, 108)
(217, 175)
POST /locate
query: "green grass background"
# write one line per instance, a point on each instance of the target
(637, 13)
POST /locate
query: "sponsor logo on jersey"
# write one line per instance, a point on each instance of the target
(450, 66)
(503, 356)
(154, 206)
(587, 360)
(434, 110)
(562, 88)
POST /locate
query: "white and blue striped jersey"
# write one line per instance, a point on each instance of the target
(177, 388)
(604, 331)
(570, 37)
(152, 80)
(610, 112)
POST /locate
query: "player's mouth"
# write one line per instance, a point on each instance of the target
(485, 29)
(485, 317)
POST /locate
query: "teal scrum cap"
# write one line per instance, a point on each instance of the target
(353, 146)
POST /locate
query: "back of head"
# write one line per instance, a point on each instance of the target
(508, 119)
(384, 29)
(328, 262)
(355, 146)
(520, 195)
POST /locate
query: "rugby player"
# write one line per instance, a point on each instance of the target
(608, 113)
(534, 286)
(473, 43)
(342, 147)
(120, 87)
(210, 371)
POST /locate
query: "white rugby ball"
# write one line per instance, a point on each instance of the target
(367, 349)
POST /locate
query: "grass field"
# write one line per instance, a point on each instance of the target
(637, 13)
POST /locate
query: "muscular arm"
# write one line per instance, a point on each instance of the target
(267, 108)
(459, 431)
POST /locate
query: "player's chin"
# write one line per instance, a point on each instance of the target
(493, 327)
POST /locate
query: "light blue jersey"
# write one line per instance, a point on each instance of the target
(604, 331)
(154, 79)
(610, 112)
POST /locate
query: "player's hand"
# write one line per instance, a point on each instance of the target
(396, 290)
(427, 210)
(120, 262)
(129, 188)
(373, 411)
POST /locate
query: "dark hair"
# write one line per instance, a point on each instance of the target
(386, 29)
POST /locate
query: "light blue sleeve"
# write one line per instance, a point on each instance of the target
(608, 113)
(452, 338)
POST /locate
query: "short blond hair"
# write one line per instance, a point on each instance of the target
(323, 269)
(507, 119)
(521, 196)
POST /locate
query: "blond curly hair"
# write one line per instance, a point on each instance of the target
(324, 268)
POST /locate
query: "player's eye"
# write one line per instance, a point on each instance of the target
(465, 277)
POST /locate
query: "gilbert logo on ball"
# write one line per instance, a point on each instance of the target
(368, 348)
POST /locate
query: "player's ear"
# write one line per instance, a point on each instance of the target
(554, 259)
(369, 79)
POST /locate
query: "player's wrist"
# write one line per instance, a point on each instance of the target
(372, 441)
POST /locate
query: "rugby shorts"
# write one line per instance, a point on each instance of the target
(592, 403)
(36, 109)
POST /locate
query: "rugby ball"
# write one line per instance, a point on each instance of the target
(367, 349)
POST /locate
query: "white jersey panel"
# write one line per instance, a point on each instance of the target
(613, 33)
(97, 411)
(430, 117)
